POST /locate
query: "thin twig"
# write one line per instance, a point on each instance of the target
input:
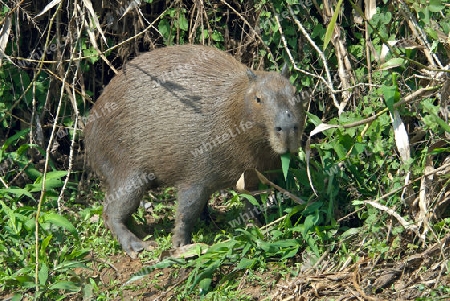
(401, 220)
(266, 181)
(4, 183)
(328, 81)
(75, 125)
(47, 155)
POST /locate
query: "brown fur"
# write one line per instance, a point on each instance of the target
(154, 116)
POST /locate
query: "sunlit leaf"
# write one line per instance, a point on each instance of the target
(331, 25)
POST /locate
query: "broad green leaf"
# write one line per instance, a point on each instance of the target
(205, 34)
(310, 221)
(204, 286)
(392, 63)
(291, 253)
(49, 184)
(330, 27)
(65, 285)
(52, 181)
(285, 243)
(436, 6)
(60, 221)
(222, 247)
(245, 263)
(313, 118)
(56, 174)
(360, 147)
(250, 198)
(390, 95)
(204, 278)
(43, 274)
(17, 192)
(164, 28)
(69, 265)
(17, 296)
(350, 232)
(436, 118)
(44, 245)
(15, 137)
(312, 208)
(217, 36)
(183, 22)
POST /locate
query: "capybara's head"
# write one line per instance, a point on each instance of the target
(272, 103)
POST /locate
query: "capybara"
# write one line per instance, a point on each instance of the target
(191, 117)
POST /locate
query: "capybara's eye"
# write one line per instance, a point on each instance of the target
(258, 99)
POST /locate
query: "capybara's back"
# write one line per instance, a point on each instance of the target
(187, 116)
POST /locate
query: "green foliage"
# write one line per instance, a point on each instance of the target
(56, 255)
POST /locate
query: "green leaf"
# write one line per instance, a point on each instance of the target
(250, 198)
(436, 6)
(60, 221)
(310, 221)
(69, 265)
(360, 147)
(391, 95)
(52, 181)
(216, 36)
(183, 23)
(291, 253)
(16, 297)
(164, 28)
(43, 274)
(91, 54)
(204, 286)
(392, 63)
(350, 232)
(245, 263)
(56, 174)
(436, 118)
(285, 162)
(205, 34)
(204, 278)
(44, 245)
(17, 192)
(424, 15)
(65, 285)
(330, 27)
(15, 137)
(313, 118)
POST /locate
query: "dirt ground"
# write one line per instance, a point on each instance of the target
(407, 278)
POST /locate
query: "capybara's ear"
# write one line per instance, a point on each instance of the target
(251, 75)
